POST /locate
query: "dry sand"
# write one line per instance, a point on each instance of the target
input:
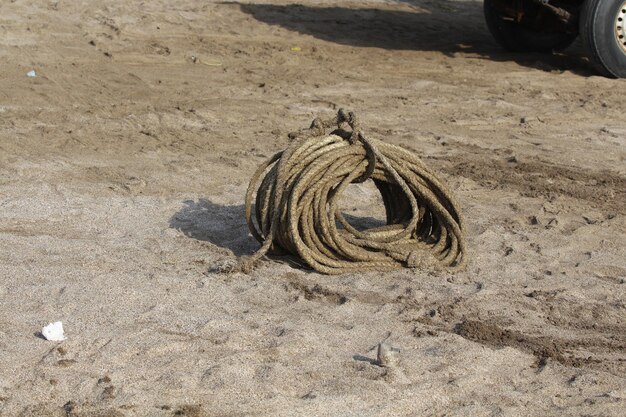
(123, 167)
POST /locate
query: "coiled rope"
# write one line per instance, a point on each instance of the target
(296, 205)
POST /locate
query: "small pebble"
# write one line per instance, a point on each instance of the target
(387, 355)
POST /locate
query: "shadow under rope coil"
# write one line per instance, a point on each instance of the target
(297, 195)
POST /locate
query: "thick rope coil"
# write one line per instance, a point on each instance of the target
(297, 195)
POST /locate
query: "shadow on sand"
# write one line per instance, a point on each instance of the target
(443, 25)
(222, 225)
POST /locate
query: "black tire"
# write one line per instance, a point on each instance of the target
(516, 38)
(598, 28)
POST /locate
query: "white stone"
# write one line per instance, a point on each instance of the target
(54, 332)
(31, 73)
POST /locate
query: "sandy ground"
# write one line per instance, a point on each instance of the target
(123, 167)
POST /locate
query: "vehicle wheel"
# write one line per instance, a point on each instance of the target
(516, 37)
(603, 28)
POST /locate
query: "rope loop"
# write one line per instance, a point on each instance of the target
(296, 208)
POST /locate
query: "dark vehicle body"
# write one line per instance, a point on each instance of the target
(549, 25)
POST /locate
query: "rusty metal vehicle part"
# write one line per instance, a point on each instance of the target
(530, 26)
(552, 25)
